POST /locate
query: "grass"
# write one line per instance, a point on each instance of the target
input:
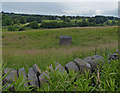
(41, 46)
(105, 79)
(71, 21)
(52, 21)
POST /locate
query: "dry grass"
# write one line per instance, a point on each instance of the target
(42, 47)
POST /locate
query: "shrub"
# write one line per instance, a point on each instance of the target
(12, 28)
(22, 29)
(33, 25)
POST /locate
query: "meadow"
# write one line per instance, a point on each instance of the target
(41, 46)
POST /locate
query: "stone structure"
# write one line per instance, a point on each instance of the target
(65, 40)
(32, 77)
(37, 77)
(22, 72)
(82, 65)
(71, 66)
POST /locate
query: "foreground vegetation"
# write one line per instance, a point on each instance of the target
(23, 49)
(105, 79)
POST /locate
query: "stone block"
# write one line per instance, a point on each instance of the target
(43, 79)
(82, 65)
(71, 66)
(65, 40)
(22, 72)
(32, 77)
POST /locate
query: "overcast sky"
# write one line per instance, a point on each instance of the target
(60, 0)
(63, 8)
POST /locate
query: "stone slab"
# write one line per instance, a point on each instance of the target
(32, 77)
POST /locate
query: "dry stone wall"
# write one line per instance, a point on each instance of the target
(37, 77)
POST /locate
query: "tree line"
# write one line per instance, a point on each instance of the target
(22, 21)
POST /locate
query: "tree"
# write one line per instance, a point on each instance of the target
(77, 17)
(22, 20)
(44, 24)
(8, 21)
(34, 25)
(63, 17)
(91, 20)
(12, 28)
(83, 23)
(113, 22)
(52, 24)
(66, 20)
(107, 23)
(4, 22)
(16, 21)
(22, 29)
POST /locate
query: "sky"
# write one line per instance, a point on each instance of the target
(62, 8)
(60, 0)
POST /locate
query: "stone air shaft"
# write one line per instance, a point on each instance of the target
(65, 40)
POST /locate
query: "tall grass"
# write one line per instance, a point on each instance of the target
(23, 49)
(18, 84)
(105, 79)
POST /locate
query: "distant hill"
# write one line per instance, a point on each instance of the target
(19, 22)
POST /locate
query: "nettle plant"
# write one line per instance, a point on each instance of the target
(68, 81)
(59, 81)
(18, 84)
(109, 76)
(104, 78)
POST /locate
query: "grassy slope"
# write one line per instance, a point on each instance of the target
(23, 49)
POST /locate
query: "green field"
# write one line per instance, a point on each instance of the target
(41, 46)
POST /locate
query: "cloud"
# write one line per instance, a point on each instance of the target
(98, 12)
(89, 9)
(113, 12)
(60, 1)
(50, 8)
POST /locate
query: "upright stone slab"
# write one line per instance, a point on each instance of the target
(76, 62)
(37, 69)
(22, 72)
(71, 66)
(60, 67)
(11, 76)
(10, 88)
(43, 79)
(65, 40)
(32, 77)
(82, 65)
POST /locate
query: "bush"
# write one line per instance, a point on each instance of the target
(22, 29)
(83, 24)
(33, 25)
(55, 24)
(52, 24)
(12, 28)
